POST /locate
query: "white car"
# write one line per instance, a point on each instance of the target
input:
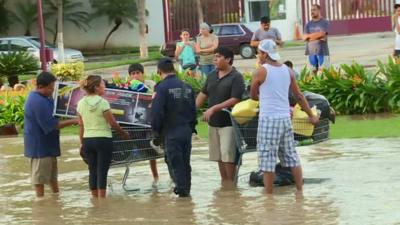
(32, 45)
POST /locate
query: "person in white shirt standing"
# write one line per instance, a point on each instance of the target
(270, 86)
(396, 21)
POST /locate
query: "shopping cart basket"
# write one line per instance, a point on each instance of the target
(135, 149)
(246, 134)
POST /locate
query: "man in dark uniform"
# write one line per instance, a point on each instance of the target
(174, 119)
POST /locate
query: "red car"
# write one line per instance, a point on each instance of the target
(235, 36)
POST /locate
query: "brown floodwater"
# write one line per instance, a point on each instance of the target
(347, 182)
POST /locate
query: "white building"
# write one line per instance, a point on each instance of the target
(99, 28)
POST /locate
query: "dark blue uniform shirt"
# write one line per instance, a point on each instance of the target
(41, 136)
(173, 107)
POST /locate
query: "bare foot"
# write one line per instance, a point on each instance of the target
(299, 195)
(155, 183)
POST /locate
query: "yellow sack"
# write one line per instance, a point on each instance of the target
(300, 122)
(245, 111)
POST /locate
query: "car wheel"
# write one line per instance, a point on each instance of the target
(246, 51)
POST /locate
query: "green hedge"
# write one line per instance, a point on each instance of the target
(351, 89)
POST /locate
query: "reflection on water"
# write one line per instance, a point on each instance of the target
(347, 182)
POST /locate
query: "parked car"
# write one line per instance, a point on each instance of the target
(236, 36)
(32, 45)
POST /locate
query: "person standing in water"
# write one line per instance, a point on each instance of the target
(96, 122)
(42, 134)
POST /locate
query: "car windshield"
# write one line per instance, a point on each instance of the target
(216, 29)
(36, 42)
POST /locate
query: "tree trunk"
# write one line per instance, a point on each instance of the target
(55, 32)
(118, 22)
(28, 32)
(13, 80)
(144, 52)
(200, 11)
(60, 26)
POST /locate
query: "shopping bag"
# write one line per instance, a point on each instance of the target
(244, 111)
(300, 122)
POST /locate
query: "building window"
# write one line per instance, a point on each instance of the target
(275, 9)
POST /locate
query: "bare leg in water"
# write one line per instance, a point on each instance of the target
(154, 171)
(269, 182)
(298, 179)
(269, 178)
(39, 189)
(95, 193)
(102, 193)
(54, 187)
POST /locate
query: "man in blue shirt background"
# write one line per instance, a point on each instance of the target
(41, 134)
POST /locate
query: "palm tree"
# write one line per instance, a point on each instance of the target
(17, 63)
(144, 52)
(60, 34)
(118, 12)
(72, 13)
(26, 15)
(4, 17)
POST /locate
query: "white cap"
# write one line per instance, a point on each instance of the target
(205, 26)
(269, 46)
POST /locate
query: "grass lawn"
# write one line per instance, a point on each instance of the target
(117, 51)
(153, 56)
(371, 126)
(289, 44)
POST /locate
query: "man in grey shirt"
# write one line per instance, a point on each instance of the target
(266, 32)
(316, 36)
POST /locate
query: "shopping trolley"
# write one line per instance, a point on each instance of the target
(245, 131)
(135, 149)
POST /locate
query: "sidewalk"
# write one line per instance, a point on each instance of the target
(365, 49)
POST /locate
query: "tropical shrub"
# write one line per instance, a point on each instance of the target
(351, 89)
(391, 74)
(12, 110)
(196, 82)
(68, 71)
(17, 63)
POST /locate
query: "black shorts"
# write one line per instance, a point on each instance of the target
(396, 53)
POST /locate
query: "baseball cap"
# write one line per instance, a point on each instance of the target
(269, 46)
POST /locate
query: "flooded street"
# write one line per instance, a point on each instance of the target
(346, 182)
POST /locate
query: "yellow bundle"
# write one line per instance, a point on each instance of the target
(245, 111)
(300, 122)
